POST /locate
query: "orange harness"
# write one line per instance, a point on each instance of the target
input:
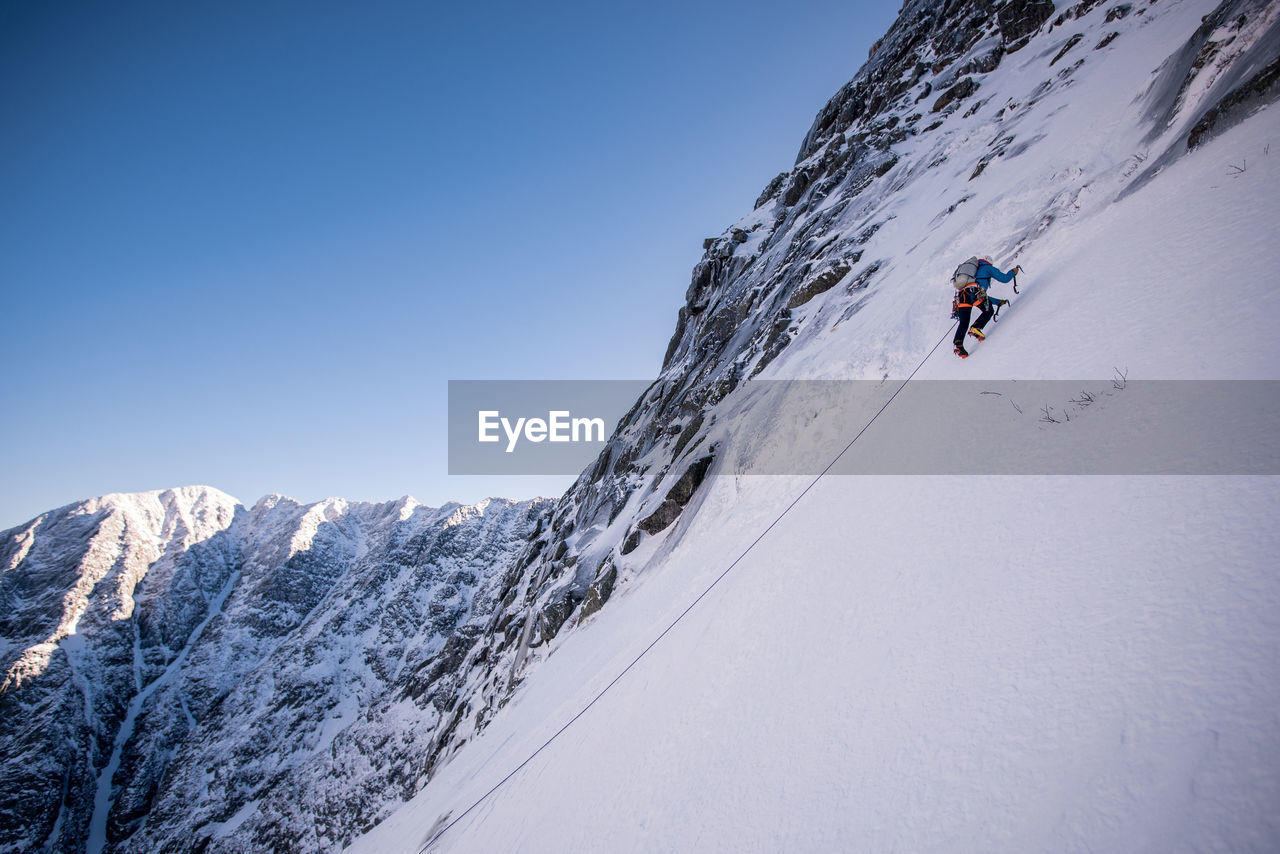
(974, 293)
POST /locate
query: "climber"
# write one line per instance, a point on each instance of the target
(971, 281)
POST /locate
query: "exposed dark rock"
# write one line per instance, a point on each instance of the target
(778, 337)
(682, 318)
(1115, 13)
(961, 90)
(689, 482)
(771, 190)
(1244, 100)
(1077, 11)
(600, 590)
(821, 284)
(986, 63)
(427, 680)
(1020, 19)
(668, 511)
(1071, 42)
(1065, 74)
(799, 183)
(687, 434)
(1168, 93)
(864, 278)
(945, 30)
(555, 614)
(998, 149)
(631, 543)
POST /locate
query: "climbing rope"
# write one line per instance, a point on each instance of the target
(436, 837)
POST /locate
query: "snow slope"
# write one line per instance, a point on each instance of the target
(1108, 683)
(937, 663)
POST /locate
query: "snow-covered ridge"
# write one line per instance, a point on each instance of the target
(156, 638)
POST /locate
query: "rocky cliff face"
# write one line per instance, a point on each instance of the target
(807, 259)
(183, 671)
(922, 100)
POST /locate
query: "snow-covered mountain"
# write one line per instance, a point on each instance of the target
(908, 663)
(1033, 663)
(175, 661)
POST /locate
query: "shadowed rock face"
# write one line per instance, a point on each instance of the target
(1235, 57)
(806, 243)
(737, 315)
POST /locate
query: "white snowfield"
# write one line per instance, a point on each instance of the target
(942, 663)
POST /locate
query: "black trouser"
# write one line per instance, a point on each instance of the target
(965, 313)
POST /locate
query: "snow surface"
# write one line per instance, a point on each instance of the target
(936, 663)
(1026, 685)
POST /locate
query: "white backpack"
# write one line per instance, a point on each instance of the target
(964, 274)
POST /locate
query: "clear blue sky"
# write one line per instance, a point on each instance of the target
(247, 244)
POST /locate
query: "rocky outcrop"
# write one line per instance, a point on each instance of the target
(821, 283)
(1227, 70)
(1253, 94)
(677, 497)
(958, 92)
(1020, 19)
(600, 590)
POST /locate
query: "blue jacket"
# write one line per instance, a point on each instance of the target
(986, 273)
